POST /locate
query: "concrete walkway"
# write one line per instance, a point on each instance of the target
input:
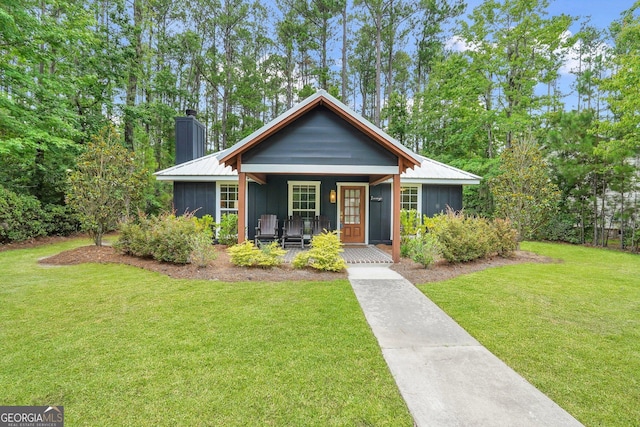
(446, 377)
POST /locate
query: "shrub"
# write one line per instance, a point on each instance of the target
(202, 251)
(463, 238)
(246, 254)
(61, 220)
(228, 229)
(21, 217)
(424, 249)
(165, 237)
(324, 253)
(506, 237)
(409, 228)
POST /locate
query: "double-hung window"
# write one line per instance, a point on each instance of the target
(410, 198)
(304, 201)
(228, 199)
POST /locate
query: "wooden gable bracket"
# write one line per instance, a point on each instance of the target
(378, 179)
(260, 178)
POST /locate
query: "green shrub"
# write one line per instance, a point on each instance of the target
(21, 217)
(506, 237)
(246, 254)
(424, 249)
(324, 253)
(228, 229)
(61, 220)
(463, 238)
(202, 251)
(165, 237)
(409, 228)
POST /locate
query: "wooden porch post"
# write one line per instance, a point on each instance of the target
(395, 244)
(242, 197)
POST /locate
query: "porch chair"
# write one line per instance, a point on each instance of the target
(320, 223)
(267, 229)
(293, 232)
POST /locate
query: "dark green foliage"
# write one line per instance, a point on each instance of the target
(21, 217)
(166, 237)
(61, 220)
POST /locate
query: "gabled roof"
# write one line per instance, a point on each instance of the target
(407, 158)
(209, 168)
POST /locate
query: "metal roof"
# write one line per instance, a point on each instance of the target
(209, 168)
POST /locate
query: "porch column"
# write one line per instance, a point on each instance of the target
(242, 198)
(395, 244)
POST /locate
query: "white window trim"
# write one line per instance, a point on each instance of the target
(290, 185)
(339, 186)
(419, 190)
(219, 198)
(393, 201)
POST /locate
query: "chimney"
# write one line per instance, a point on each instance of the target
(190, 137)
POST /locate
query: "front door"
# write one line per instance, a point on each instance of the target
(352, 211)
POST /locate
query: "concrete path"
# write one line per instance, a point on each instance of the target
(446, 377)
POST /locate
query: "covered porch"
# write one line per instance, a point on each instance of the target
(367, 254)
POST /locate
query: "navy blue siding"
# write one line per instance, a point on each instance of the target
(436, 198)
(272, 197)
(189, 196)
(380, 214)
(320, 138)
(190, 139)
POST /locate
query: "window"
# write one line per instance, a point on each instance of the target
(409, 198)
(228, 198)
(304, 201)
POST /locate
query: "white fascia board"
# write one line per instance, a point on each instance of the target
(321, 169)
(197, 178)
(443, 181)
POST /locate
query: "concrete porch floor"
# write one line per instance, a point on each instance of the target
(352, 255)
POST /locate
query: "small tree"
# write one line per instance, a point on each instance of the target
(523, 192)
(106, 186)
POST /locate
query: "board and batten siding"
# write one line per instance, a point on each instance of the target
(436, 198)
(320, 138)
(192, 196)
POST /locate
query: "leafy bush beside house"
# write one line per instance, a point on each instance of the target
(169, 238)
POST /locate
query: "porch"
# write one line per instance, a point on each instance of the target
(368, 254)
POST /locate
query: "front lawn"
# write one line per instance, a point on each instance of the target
(117, 345)
(571, 328)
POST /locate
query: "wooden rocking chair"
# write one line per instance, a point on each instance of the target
(267, 229)
(293, 232)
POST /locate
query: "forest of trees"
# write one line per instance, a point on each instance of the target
(455, 84)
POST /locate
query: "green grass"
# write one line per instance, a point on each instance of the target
(571, 328)
(118, 345)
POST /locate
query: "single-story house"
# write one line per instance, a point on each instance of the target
(318, 158)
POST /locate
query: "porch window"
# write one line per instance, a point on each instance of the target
(409, 198)
(228, 199)
(304, 201)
